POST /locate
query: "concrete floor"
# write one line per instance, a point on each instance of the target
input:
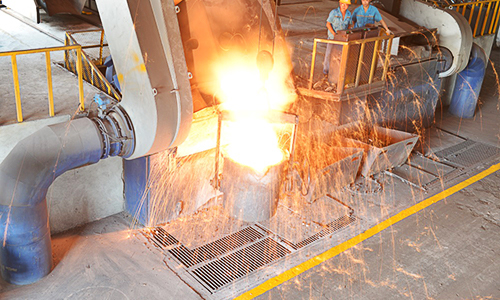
(446, 251)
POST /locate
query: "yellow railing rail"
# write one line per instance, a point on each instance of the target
(481, 15)
(101, 45)
(344, 59)
(47, 51)
(90, 68)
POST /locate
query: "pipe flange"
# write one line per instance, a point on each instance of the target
(105, 137)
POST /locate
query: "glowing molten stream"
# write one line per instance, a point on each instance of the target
(254, 143)
(252, 139)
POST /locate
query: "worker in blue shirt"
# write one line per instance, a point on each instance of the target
(338, 19)
(368, 15)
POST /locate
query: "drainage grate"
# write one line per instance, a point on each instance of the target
(163, 239)
(225, 270)
(217, 268)
(454, 149)
(338, 224)
(478, 153)
(440, 182)
(217, 248)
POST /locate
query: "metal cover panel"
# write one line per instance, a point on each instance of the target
(430, 166)
(414, 175)
(217, 268)
(325, 210)
(456, 148)
(238, 264)
(162, 238)
(204, 227)
(291, 226)
(474, 155)
(217, 248)
(338, 224)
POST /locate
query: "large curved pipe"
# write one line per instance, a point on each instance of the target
(31, 167)
(25, 175)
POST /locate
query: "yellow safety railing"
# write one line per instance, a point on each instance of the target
(71, 36)
(47, 51)
(91, 72)
(346, 46)
(481, 15)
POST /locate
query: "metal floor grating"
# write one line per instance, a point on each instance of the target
(338, 224)
(222, 264)
(453, 149)
(228, 268)
(468, 153)
(215, 249)
(451, 164)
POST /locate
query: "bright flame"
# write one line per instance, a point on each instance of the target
(254, 143)
(252, 139)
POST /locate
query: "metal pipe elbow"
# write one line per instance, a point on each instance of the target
(25, 176)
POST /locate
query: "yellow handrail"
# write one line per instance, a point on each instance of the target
(492, 19)
(15, 75)
(94, 70)
(344, 59)
(101, 45)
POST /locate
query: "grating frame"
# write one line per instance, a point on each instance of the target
(215, 249)
(474, 155)
(240, 263)
(454, 149)
(468, 153)
(162, 238)
(330, 228)
(219, 268)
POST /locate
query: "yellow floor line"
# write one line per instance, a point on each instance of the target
(289, 274)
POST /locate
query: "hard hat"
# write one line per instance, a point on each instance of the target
(345, 1)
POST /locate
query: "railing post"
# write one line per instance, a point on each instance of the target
(496, 22)
(49, 83)
(101, 46)
(343, 69)
(360, 62)
(17, 90)
(313, 61)
(477, 19)
(80, 77)
(387, 58)
(473, 7)
(495, 12)
(374, 60)
(486, 18)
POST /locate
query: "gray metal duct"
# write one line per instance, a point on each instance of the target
(25, 176)
(29, 170)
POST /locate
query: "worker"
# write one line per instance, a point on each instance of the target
(338, 19)
(367, 15)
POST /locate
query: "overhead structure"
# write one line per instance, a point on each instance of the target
(454, 33)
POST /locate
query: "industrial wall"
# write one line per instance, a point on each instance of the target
(78, 196)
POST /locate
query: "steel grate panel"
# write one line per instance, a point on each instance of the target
(338, 224)
(476, 154)
(440, 182)
(163, 238)
(454, 149)
(225, 270)
(217, 248)
(215, 268)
